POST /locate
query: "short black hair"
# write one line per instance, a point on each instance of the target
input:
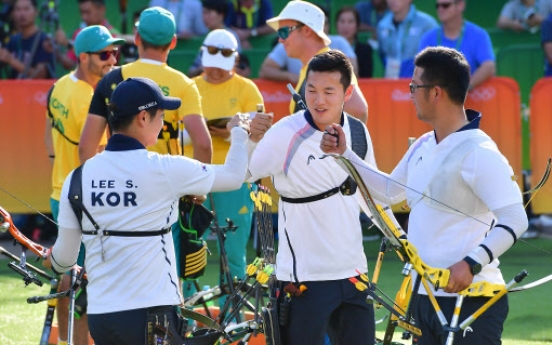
(447, 68)
(332, 61)
(219, 6)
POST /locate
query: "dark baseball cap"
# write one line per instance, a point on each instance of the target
(133, 95)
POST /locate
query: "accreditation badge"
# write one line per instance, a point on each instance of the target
(392, 68)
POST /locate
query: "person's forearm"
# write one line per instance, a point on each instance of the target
(231, 174)
(264, 30)
(484, 72)
(511, 223)
(66, 249)
(379, 183)
(506, 23)
(277, 74)
(91, 136)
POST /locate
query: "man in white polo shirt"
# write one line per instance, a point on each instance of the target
(130, 196)
(466, 208)
(320, 244)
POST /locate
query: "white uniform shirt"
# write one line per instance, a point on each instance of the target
(325, 235)
(478, 181)
(128, 188)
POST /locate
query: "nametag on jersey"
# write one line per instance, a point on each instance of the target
(392, 68)
(110, 197)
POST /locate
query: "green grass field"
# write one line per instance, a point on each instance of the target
(529, 321)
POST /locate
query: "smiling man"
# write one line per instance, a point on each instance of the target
(68, 102)
(320, 232)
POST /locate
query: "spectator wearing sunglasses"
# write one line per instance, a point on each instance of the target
(224, 93)
(466, 37)
(399, 33)
(248, 19)
(300, 28)
(67, 108)
(92, 12)
(280, 67)
(214, 12)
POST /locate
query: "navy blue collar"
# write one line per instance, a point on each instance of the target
(474, 118)
(121, 142)
(309, 119)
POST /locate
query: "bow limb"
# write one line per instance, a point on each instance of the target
(533, 191)
(6, 224)
(532, 284)
(543, 179)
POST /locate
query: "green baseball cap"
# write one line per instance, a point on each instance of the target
(156, 25)
(93, 39)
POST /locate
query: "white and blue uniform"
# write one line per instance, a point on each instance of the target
(328, 228)
(320, 242)
(127, 188)
(470, 206)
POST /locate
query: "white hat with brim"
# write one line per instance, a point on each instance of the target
(222, 39)
(304, 12)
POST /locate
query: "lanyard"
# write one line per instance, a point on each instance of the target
(402, 42)
(459, 40)
(250, 14)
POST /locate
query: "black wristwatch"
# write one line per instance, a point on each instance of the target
(475, 267)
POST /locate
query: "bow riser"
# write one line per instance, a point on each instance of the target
(7, 225)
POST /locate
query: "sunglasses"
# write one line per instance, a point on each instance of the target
(414, 87)
(443, 5)
(106, 55)
(285, 31)
(226, 52)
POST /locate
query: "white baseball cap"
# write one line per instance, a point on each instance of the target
(304, 12)
(225, 52)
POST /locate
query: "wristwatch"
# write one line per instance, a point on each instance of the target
(254, 32)
(475, 267)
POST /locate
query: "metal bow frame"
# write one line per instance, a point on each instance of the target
(431, 278)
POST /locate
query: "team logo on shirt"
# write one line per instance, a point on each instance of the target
(311, 158)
